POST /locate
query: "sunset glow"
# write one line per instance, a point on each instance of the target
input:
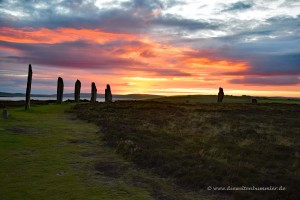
(143, 47)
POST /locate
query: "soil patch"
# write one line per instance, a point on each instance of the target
(111, 169)
(23, 130)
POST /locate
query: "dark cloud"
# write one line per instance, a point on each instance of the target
(271, 57)
(287, 64)
(71, 55)
(285, 22)
(271, 49)
(82, 54)
(75, 14)
(136, 16)
(143, 6)
(238, 6)
(276, 81)
(15, 59)
(150, 5)
(114, 20)
(179, 22)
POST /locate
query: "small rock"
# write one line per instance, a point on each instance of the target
(61, 173)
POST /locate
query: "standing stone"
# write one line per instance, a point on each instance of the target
(77, 91)
(94, 92)
(108, 95)
(60, 90)
(5, 113)
(28, 89)
(254, 100)
(220, 95)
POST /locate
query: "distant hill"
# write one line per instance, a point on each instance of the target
(125, 96)
(6, 94)
(84, 95)
(227, 99)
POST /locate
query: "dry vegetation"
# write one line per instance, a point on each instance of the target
(201, 145)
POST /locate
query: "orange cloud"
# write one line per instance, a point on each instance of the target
(138, 63)
(52, 36)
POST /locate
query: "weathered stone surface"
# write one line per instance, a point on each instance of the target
(60, 90)
(220, 95)
(94, 93)
(254, 100)
(28, 89)
(108, 95)
(77, 91)
(5, 114)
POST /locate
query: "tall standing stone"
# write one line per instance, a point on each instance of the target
(220, 95)
(60, 90)
(108, 95)
(77, 91)
(28, 89)
(94, 93)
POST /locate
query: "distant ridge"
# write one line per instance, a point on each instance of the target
(84, 95)
(6, 94)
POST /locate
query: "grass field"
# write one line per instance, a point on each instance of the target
(202, 145)
(165, 149)
(227, 99)
(46, 153)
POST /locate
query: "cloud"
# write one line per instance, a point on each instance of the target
(136, 16)
(269, 49)
(147, 54)
(75, 54)
(286, 64)
(167, 72)
(238, 6)
(113, 55)
(187, 40)
(181, 23)
(265, 58)
(144, 6)
(274, 81)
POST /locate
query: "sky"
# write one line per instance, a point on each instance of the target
(166, 47)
